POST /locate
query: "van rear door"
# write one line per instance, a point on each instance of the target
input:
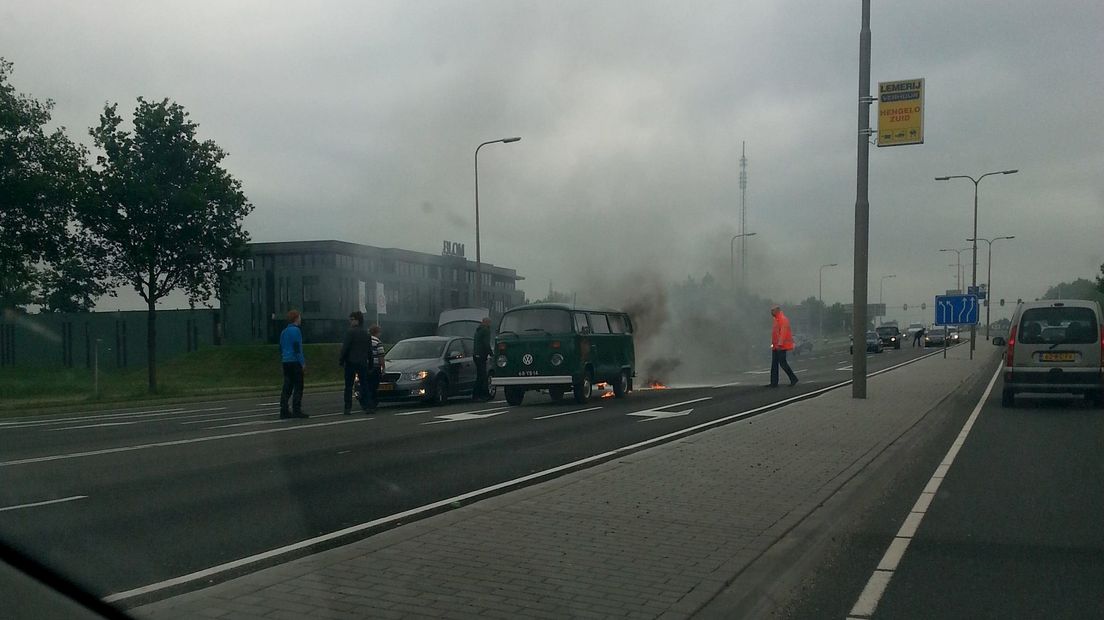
(1060, 338)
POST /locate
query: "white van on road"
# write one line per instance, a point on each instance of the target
(1055, 346)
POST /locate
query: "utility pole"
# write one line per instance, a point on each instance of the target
(862, 212)
(743, 215)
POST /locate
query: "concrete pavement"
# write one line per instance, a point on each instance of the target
(660, 533)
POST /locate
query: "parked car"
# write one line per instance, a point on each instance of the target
(873, 343)
(890, 336)
(561, 347)
(430, 368)
(1054, 347)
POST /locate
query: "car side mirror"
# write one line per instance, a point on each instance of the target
(998, 341)
(457, 355)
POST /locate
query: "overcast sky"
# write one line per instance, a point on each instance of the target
(358, 121)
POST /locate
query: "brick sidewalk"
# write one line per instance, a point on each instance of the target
(655, 534)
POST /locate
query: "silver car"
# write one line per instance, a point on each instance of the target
(1054, 347)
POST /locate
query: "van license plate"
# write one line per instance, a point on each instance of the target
(386, 387)
(1057, 357)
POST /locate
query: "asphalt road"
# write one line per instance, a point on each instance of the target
(1013, 530)
(126, 498)
(1016, 529)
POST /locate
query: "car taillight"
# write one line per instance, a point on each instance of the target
(1011, 346)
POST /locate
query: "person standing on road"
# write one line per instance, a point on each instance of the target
(482, 352)
(295, 365)
(375, 374)
(918, 337)
(781, 342)
(356, 357)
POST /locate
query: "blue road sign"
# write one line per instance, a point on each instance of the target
(956, 310)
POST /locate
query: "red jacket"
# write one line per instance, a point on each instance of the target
(781, 336)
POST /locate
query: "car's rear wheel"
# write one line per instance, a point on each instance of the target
(1008, 398)
(556, 394)
(621, 385)
(514, 395)
(582, 388)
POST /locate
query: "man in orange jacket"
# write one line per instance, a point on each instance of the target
(781, 341)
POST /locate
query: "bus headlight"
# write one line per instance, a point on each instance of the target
(500, 361)
(556, 359)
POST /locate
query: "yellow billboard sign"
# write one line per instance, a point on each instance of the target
(901, 112)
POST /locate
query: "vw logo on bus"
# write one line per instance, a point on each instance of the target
(527, 359)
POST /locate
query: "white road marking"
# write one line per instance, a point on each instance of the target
(46, 503)
(115, 416)
(879, 580)
(724, 385)
(465, 416)
(757, 372)
(556, 415)
(178, 442)
(413, 412)
(260, 422)
(655, 413)
(208, 420)
(478, 493)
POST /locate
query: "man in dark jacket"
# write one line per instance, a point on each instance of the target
(481, 353)
(356, 355)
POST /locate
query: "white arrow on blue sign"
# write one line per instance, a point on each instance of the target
(956, 310)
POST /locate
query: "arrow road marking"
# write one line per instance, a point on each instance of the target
(655, 413)
(463, 417)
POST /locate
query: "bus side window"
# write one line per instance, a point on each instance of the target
(581, 324)
(599, 324)
(616, 324)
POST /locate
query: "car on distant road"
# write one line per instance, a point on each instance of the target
(1054, 346)
(890, 336)
(936, 336)
(802, 345)
(430, 369)
(873, 343)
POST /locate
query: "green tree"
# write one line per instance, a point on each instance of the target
(42, 180)
(1078, 289)
(1100, 280)
(167, 213)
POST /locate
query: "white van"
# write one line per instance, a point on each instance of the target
(1055, 346)
(461, 321)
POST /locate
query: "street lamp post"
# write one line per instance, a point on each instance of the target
(989, 278)
(959, 263)
(881, 284)
(478, 256)
(732, 259)
(973, 278)
(820, 298)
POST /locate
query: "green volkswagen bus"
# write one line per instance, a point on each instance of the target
(561, 348)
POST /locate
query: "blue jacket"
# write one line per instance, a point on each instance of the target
(291, 345)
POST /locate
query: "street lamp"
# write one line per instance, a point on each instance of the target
(989, 278)
(959, 272)
(973, 278)
(478, 256)
(732, 259)
(820, 298)
(880, 286)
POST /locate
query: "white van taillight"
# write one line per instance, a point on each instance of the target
(1011, 347)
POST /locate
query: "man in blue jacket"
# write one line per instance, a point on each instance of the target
(295, 364)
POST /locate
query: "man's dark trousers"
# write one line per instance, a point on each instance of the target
(293, 389)
(778, 358)
(358, 372)
(480, 390)
(372, 383)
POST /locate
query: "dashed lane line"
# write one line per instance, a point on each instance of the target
(556, 415)
(46, 503)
